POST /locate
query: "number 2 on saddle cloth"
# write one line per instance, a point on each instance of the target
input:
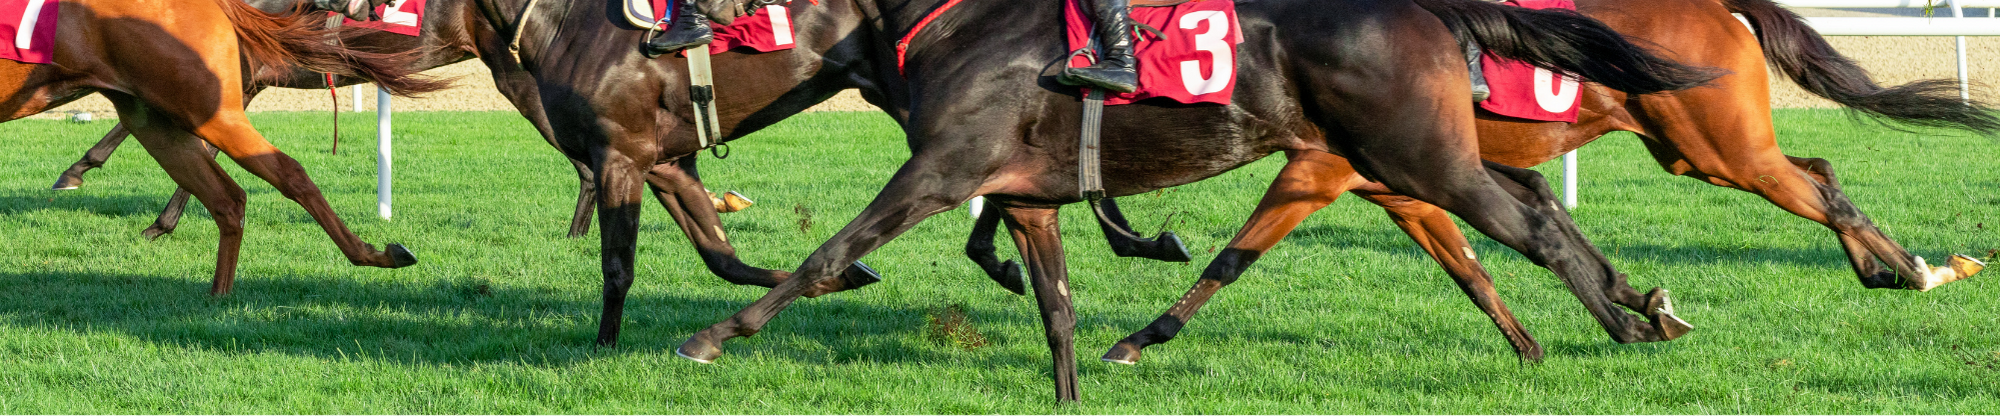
(1524, 91)
(1190, 59)
(770, 29)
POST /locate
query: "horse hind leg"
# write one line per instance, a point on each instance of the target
(1865, 243)
(230, 131)
(94, 158)
(170, 216)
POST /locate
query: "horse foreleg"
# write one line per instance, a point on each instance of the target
(1037, 233)
(186, 160)
(979, 248)
(230, 131)
(680, 191)
(94, 158)
(1309, 181)
(1431, 229)
(620, 190)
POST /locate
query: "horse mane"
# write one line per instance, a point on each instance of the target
(280, 42)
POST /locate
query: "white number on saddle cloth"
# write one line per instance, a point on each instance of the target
(1554, 93)
(781, 24)
(24, 35)
(1215, 42)
(395, 15)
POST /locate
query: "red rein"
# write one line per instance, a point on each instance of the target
(903, 46)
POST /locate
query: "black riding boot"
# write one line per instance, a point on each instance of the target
(1480, 91)
(1115, 69)
(689, 29)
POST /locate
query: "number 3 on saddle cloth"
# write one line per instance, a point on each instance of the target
(30, 26)
(1524, 91)
(768, 30)
(1191, 60)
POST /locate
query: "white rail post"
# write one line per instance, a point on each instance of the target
(1964, 77)
(358, 93)
(1569, 179)
(382, 136)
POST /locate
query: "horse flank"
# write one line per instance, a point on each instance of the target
(297, 40)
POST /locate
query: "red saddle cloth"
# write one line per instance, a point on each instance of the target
(1193, 61)
(768, 30)
(30, 29)
(402, 17)
(1524, 91)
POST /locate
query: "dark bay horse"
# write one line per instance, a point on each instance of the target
(1721, 135)
(1379, 82)
(174, 70)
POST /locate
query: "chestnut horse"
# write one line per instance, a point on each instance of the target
(174, 71)
(1721, 135)
(1378, 81)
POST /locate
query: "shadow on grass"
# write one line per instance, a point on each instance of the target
(1389, 239)
(116, 205)
(462, 322)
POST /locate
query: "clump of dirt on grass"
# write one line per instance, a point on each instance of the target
(949, 326)
(805, 217)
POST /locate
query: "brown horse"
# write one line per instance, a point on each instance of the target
(1378, 81)
(1721, 135)
(174, 70)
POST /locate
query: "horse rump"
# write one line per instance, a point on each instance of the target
(297, 39)
(1567, 42)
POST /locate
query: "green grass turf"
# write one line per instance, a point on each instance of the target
(1346, 317)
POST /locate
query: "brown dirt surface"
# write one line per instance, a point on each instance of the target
(1892, 60)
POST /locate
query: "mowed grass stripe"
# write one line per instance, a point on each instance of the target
(1346, 317)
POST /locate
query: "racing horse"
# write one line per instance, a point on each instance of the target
(174, 71)
(428, 50)
(1381, 82)
(1721, 135)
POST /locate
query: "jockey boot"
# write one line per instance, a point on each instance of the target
(689, 29)
(1480, 91)
(1115, 69)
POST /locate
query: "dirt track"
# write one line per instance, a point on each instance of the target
(1892, 60)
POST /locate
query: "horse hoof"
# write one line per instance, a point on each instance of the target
(1122, 353)
(401, 256)
(699, 350)
(731, 201)
(65, 184)
(1176, 251)
(1010, 277)
(1660, 309)
(155, 231)
(859, 275)
(1956, 268)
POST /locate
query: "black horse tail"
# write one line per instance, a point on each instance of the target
(1805, 57)
(1568, 42)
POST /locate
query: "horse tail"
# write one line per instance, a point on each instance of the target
(1567, 42)
(1798, 51)
(281, 42)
